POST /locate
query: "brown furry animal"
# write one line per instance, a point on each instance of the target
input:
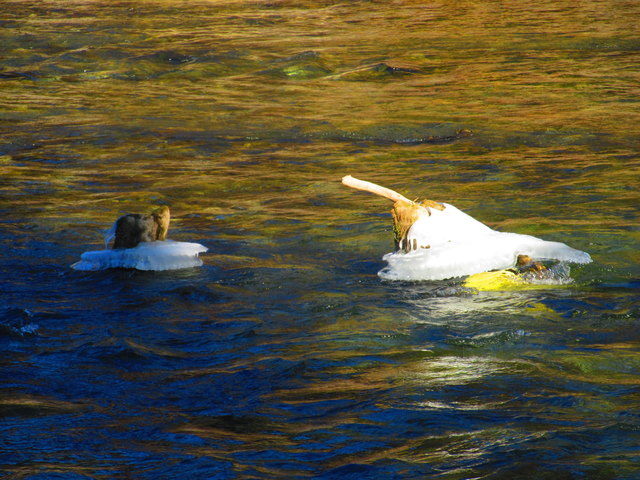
(133, 228)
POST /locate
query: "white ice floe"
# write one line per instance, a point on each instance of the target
(453, 244)
(159, 255)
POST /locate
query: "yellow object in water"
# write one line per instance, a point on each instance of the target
(506, 280)
(496, 280)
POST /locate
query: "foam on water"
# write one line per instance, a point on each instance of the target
(160, 255)
(558, 274)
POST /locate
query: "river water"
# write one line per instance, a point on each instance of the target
(285, 355)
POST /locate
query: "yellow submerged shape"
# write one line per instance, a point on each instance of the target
(496, 280)
(505, 280)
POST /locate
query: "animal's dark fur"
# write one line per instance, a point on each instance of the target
(133, 228)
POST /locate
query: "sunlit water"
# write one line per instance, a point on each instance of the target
(285, 356)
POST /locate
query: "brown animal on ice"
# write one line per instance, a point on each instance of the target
(133, 228)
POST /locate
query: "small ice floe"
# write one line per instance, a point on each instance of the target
(158, 255)
(436, 241)
(139, 241)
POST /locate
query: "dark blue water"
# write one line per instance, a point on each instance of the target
(284, 355)
(315, 369)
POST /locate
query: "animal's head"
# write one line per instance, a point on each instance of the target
(162, 217)
(405, 214)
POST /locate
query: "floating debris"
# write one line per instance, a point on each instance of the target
(140, 242)
(436, 241)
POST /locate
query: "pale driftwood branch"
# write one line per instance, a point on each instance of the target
(392, 195)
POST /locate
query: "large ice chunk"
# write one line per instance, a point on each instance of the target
(454, 244)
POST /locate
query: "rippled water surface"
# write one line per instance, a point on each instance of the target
(285, 356)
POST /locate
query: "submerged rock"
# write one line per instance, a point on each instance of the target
(378, 71)
(300, 66)
(17, 322)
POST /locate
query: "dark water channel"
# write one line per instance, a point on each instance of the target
(285, 356)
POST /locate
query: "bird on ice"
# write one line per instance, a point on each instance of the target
(140, 242)
(436, 241)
